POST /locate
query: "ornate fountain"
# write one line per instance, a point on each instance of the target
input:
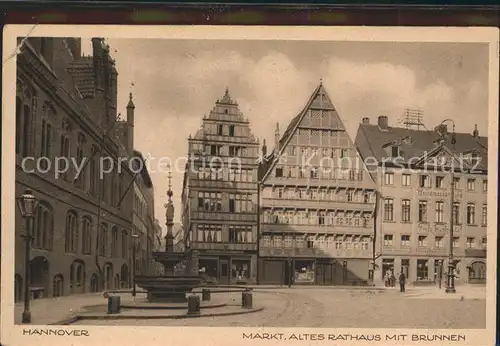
(173, 286)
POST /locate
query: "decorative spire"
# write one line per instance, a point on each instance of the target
(169, 192)
(226, 98)
(321, 81)
(130, 101)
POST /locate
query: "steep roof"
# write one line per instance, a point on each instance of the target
(371, 141)
(82, 71)
(268, 162)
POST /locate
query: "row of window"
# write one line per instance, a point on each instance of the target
(302, 217)
(213, 234)
(309, 152)
(111, 184)
(322, 194)
(338, 242)
(225, 150)
(231, 174)
(425, 181)
(78, 234)
(439, 241)
(237, 202)
(324, 173)
(422, 216)
(321, 136)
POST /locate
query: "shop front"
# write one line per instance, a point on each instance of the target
(226, 269)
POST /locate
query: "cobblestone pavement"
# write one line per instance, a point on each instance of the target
(331, 308)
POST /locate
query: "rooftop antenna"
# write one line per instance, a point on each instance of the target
(413, 118)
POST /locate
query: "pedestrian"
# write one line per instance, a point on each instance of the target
(402, 282)
(393, 280)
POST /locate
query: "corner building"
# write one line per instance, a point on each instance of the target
(317, 203)
(414, 209)
(66, 107)
(219, 195)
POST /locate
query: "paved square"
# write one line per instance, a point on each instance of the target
(341, 308)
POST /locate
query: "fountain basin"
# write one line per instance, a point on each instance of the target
(170, 289)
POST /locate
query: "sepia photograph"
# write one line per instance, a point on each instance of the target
(296, 187)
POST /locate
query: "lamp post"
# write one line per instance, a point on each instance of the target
(27, 206)
(134, 245)
(450, 285)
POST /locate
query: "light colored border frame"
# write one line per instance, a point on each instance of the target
(12, 334)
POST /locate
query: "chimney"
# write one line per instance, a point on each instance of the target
(383, 122)
(475, 133)
(130, 125)
(442, 129)
(277, 138)
(365, 120)
(264, 148)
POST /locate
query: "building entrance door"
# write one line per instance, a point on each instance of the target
(324, 274)
(224, 271)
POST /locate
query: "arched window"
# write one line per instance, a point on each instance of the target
(103, 240)
(94, 171)
(114, 241)
(43, 227)
(25, 104)
(94, 287)
(48, 118)
(124, 244)
(81, 178)
(65, 150)
(58, 286)
(71, 233)
(87, 236)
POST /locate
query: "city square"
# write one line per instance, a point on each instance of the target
(319, 212)
(304, 307)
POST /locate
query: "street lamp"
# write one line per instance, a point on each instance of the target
(450, 285)
(27, 206)
(134, 245)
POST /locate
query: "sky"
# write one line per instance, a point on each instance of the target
(176, 82)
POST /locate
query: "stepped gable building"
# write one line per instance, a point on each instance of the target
(412, 171)
(316, 201)
(219, 195)
(66, 107)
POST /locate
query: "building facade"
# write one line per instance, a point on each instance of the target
(143, 218)
(412, 169)
(316, 201)
(219, 195)
(66, 109)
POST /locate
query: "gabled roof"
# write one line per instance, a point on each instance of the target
(370, 141)
(269, 164)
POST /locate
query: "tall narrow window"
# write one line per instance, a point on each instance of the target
(439, 211)
(388, 209)
(231, 130)
(406, 210)
(71, 234)
(471, 213)
(456, 213)
(422, 211)
(484, 215)
(24, 110)
(424, 181)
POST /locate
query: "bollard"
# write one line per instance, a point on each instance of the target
(205, 295)
(247, 299)
(114, 305)
(193, 305)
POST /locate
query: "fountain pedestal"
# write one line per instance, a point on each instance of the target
(171, 288)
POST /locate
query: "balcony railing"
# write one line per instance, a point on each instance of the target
(315, 252)
(245, 217)
(333, 229)
(224, 246)
(315, 203)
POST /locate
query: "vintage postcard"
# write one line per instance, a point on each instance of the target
(249, 185)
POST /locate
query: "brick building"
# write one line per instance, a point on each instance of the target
(66, 107)
(219, 194)
(316, 201)
(413, 174)
(143, 218)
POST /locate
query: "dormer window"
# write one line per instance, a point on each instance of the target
(395, 151)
